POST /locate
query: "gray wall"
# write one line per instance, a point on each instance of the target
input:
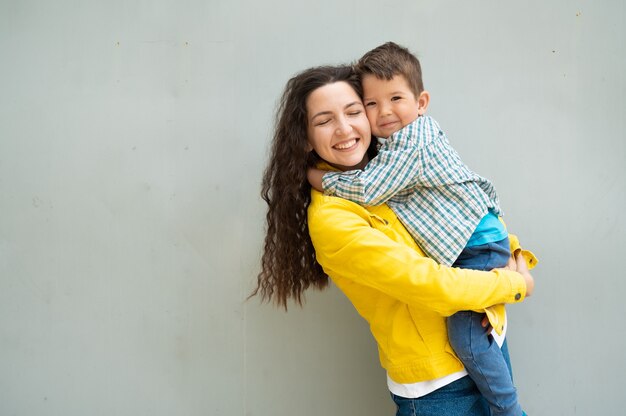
(133, 136)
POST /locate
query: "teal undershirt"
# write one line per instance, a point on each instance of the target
(488, 230)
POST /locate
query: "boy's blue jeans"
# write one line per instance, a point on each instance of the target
(478, 351)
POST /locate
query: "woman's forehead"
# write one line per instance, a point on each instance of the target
(333, 96)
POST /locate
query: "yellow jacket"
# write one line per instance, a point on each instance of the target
(403, 295)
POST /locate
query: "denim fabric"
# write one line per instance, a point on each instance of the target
(483, 359)
(485, 256)
(459, 398)
(507, 358)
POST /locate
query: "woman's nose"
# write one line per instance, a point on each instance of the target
(343, 127)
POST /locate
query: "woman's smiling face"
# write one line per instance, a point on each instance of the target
(338, 129)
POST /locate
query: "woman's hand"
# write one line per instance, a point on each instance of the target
(518, 264)
(314, 176)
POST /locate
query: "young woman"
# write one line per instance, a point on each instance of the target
(404, 296)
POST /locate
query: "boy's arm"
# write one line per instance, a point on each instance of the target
(397, 167)
(314, 176)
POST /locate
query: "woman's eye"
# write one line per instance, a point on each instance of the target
(321, 123)
(354, 113)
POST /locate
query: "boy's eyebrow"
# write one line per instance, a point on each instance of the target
(322, 113)
(391, 93)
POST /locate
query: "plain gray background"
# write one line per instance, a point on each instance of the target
(133, 136)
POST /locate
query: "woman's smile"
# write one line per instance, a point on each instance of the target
(338, 129)
(346, 145)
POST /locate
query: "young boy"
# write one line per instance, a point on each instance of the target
(450, 211)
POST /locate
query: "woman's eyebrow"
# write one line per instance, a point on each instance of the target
(353, 103)
(323, 113)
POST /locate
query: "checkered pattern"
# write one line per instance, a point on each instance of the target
(421, 177)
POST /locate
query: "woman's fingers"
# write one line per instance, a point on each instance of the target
(511, 265)
(522, 269)
(520, 263)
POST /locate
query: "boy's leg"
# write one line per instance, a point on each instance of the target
(484, 362)
(483, 359)
(507, 359)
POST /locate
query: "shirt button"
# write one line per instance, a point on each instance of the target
(518, 296)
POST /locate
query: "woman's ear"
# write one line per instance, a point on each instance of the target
(422, 102)
(308, 147)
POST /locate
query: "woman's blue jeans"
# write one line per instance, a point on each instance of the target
(459, 398)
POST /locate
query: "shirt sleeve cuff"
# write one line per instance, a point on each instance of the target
(329, 182)
(518, 288)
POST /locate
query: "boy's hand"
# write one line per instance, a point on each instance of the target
(314, 176)
(486, 324)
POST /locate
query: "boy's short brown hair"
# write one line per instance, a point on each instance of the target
(389, 60)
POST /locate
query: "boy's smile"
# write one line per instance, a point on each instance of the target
(390, 104)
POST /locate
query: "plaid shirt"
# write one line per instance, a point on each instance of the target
(420, 176)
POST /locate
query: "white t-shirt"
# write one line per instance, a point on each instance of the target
(422, 388)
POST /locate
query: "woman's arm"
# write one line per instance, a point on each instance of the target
(348, 245)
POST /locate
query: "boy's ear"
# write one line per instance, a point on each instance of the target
(422, 102)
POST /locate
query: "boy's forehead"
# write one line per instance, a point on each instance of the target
(371, 81)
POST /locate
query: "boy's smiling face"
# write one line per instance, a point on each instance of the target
(390, 104)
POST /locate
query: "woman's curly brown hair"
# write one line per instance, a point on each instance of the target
(288, 265)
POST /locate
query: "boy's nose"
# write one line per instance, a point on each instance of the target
(385, 110)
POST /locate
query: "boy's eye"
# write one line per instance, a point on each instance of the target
(370, 104)
(396, 98)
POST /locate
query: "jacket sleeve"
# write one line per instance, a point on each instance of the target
(348, 246)
(531, 259)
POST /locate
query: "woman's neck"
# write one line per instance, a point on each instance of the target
(358, 166)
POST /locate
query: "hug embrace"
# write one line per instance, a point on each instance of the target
(364, 188)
